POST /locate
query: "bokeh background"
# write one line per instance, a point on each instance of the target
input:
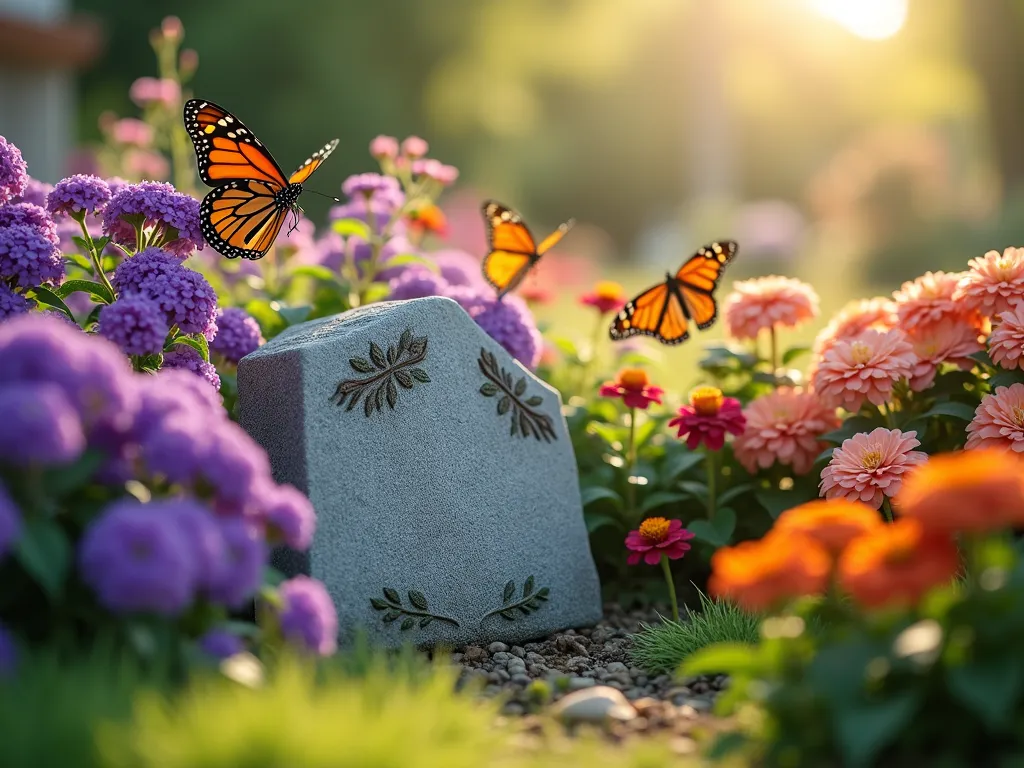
(852, 143)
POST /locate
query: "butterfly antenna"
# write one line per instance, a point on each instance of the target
(329, 197)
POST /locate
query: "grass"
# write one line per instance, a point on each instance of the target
(661, 648)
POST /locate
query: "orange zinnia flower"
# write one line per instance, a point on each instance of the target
(761, 575)
(895, 565)
(833, 523)
(978, 490)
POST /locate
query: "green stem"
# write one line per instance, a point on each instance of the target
(94, 256)
(712, 474)
(631, 465)
(886, 411)
(667, 570)
(775, 350)
(887, 509)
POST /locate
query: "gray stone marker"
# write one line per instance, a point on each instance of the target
(441, 470)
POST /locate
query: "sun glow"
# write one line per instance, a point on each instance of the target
(870, 19)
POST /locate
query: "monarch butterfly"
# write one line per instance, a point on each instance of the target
(512, 250)
(251, 197)
(665, 311)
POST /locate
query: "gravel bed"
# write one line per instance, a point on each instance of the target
(590, 658)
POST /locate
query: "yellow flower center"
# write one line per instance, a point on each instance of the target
(871, 459)
(1018, 415)
(654, 530)
(608, 289)
(861, 352)
(633, 378)
(706, 401)
(1005, 267)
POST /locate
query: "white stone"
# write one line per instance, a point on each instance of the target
(430, 495)
(594, 705)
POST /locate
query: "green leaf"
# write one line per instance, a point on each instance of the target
(566, 346)
(725, 522)
(989, 687)
(197, 341)
(951, 408)
(982, 357)
(405, 259)
(377, 356)
(528, 586)
(1005, 379)
(609, 433)
(297, 314)
(852, 426)
(420, 375)
(678, 463)
(391, 616)
(594, 522)
(48, 297)
(703, 530)
(735, 492)
(315, 271)
(504, 404)
(352, 228)
(376, 292)
(408, 624)
(520, 387)
(379, 604)
(96, 290)
(694, 488)
(542, 593)
(722, 658)
(488, 389)
(425, 621)
(793, 353)
(270, 320)
(360, 364)
(404, 378)
(61, 481)
(510, 589)
(596, 493)
(392, 393)
(534, 401)
(45, 553)
(865, 729)
(418, 600)
(79, 260)
(392, 595)
(776, 501)
(659, 499)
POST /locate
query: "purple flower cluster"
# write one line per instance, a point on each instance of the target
(41, 413)
(221, 644)
(28, 258)
(185, 297)
(35, 193)
(187, 359)
(13, 174)
(238, 334)
(371, 185)
(417, 283)
(10, 523)
(155, 205)
(135, 323)
(30, 215)
(308, 618)
(78, 195)
(12, 303)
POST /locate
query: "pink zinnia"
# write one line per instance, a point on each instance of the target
(768, 302)
(606, 297)
(999, 421)
(634, 387)
(708, 418)
(384, 148)
(656, 537)
(994, 283)
(863, 368)
(414, 146)
(877, 314)
(870, 466)
(1006, 344)
(929, 300)
(784, 426)
(951, 340)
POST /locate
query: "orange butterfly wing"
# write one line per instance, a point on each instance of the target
(226, 149)
(698, 279)
(242, 218)
(512, 250)
(315, 160)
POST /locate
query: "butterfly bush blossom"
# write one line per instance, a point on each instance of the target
(30, 215)
(13, 173)
(135, 323)
(77, 196)
(210, 541)
(238, 334)
(188, 359)
(28, 258)
(170, 219)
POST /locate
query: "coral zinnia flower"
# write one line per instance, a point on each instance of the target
(994, 283)
(707, 418)
(766, 302)
(656, 537)
(760, 575)
(896, 565)
(999, 420)
(877, 314)
(606, 297)
(976, 490)
(833, 523)
(863, 368)
(429, 218)
(784, 426)
(1006, 344)
(929, 299)
(870, 466)
(950, 340)
(634, 387)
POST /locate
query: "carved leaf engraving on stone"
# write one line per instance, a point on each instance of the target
(525, 420)
(532, 599)
(388, 371)
(418, 611)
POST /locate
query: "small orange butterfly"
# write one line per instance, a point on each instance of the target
(513, 250)
(252, 197)
(665, 311)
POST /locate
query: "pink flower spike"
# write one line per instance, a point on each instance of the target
(655, 537)
(864, 368)
(384, 148)
(708, 418)
(1006, 344)
(994, 283)
(999, 421)
(870, 466)
(149, 90)
(414, 147)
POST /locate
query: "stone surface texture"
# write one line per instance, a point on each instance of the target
(428, 505)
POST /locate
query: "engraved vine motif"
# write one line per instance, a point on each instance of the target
(530, 601)
(397, 367)
(525, 420)
(418, 610)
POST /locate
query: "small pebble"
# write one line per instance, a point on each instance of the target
(598, 705)
(521, 679)
(497, 648)
(579, 683)
(518, 651)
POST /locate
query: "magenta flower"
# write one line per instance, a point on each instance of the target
(634, 387)
(656, 537)
(708, 418)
